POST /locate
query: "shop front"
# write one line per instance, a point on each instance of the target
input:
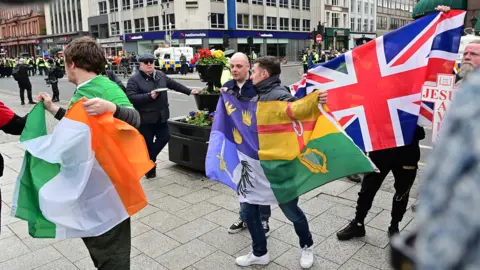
(358, 39)
(113, 46)
(20, 47)
(336, 39)
(52, 45)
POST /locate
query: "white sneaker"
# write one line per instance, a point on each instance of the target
(250, 259)
(306, 260)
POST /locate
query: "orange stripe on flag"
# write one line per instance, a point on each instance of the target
(122, 153)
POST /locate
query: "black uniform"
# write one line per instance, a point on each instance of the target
(53, 74)
(21, 76)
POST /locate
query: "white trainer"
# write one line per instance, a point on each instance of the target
(250, 259)
(306, 260)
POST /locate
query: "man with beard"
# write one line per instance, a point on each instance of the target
(470, 60)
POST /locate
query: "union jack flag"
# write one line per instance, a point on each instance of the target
(374, 91)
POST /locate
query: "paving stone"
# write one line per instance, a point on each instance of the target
(347, 212)
(32, 260)
(311, 194)
(412, 225)
(338, 251)
(222, 217)
(376, 237)
(192, 230)
(5, 232)
(316, 206)
(154, 243)
(273, 266)
(60, 264)
(374, 256)
(334, 188)
(163, 221)
(7, 197)
(148, 210)
(200, 195)
(197, 210)
(138, 228)
(20, 229)
(73, 249)
(9, 149)
(275, 248)
(228, 243)
(143, 262)
(14, 164)
(225, 201)
(134, 252)
(327, 224)
(190, 181)
(39, 243)
(337, 200)
(9, 178)
(176, 190)
(154, 194)
(382, 221)
(222, 188)
(12, 247)
(291, 260)
(186, 255)
(353, 264)
(170, 204)
(287, 234)
(351, 193)
(155, 184)
(218, 261)
(85, 264)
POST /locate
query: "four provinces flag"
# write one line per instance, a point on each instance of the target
(81, 180)
(272, 152)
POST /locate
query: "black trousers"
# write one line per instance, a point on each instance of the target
(111, 250)
(305, 68)
(29, 93)
(156, 137)
(56, 92)
(403, 162)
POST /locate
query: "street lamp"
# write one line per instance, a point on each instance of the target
(165, 21)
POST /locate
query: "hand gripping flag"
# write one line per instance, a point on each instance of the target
(81, 180)
(272, 152)
(375, 89)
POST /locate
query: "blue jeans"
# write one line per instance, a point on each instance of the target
(265, 212)
(251, 215)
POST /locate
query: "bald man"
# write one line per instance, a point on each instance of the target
(243, 87)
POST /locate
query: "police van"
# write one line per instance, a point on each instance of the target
(170, 58)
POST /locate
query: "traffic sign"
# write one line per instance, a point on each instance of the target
(319, 38)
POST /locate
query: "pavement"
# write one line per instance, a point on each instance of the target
(185, 224)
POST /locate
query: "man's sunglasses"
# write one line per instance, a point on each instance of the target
(147, 62)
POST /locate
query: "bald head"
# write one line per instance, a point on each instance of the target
(239, 66)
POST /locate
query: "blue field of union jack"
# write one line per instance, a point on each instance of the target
(375, 89)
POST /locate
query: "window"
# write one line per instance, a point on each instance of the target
(152, 2)
(295, 24)
(258, 2)
(284, 24)
(335, 19)
(345, 22)
(366, 8)
(371, 26)
(113, 5)
(306, 4)
(365, 25)
(296, 4)
(217, 20)
(139, 25)
(137, 3)
(271, 23)
(359, 25)
(153, 23)
(272, 3)
(115, 27)
(257, 21)
(327, 17)
(371, 9)
(352, 24)
(170, 21)
(93, 31)
(102, 7)
(352, 5)
(334, 2)
(242, 1)
(306, 25)
(243, 21)
(359, 6)
(126, 4)
(283, 3)
(127, 27)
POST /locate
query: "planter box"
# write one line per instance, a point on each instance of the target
(188, 144)
(207, 102)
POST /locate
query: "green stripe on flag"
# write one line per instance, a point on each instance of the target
(35, 174)
(290, 178)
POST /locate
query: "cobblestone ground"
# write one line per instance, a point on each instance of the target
(185, 224)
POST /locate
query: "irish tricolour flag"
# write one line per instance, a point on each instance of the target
(81, 180)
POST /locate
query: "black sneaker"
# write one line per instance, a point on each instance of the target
(152, 173)
(355, 178)
(266, 228)
(392, 231)
(238, 226)
(354, 229)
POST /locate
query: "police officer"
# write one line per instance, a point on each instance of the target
(305, 62)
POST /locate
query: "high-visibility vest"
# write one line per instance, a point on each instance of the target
(305, 60)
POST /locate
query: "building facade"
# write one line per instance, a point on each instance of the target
(363, 22)
(21, 30)
(337, 24)
(278, 27)
(393, 14)
(65, 21)
(473, 11)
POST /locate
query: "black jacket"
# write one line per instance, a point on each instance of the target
(114, 78)
(22, 76)
(139, 88)
(14, 127)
